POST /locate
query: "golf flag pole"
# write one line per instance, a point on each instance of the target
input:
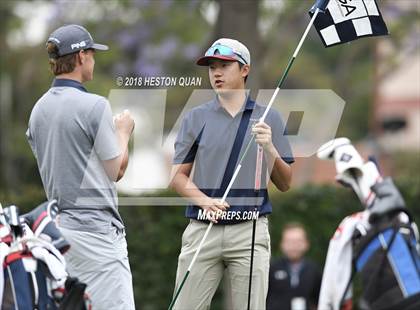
(289, 65)
(238, 168)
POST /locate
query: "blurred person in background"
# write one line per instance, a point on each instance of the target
(294, 280)
(81, 151)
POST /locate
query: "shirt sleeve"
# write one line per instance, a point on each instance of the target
(101, 129)
(187, 141)
(31, 141)
(279, 137)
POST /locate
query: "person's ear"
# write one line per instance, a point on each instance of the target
(245, 70)
(81, 56)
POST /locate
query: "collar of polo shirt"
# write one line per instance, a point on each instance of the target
(248, 104)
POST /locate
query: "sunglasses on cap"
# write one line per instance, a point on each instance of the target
(223, 50)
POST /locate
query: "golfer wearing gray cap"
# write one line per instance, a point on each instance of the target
(81, 151)
(212, 138)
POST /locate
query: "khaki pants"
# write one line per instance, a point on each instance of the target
(226, 247)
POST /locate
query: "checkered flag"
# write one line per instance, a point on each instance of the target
(347, 20)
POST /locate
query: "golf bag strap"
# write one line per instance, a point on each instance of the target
(400, 258)
(356, 267)
(404, 265)
(236, 149)
(374, 245)
(416, 255)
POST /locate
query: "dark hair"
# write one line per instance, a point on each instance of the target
(240, 67)
(293, 225)
(60, 65)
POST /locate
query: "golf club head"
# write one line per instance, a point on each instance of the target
(389, 200)
(11, 214)
(5, 235)
(348, 162)
(326, 151)
(351, 169)
(370, 176)
(41, 220)
(74, 295)
(2, 216)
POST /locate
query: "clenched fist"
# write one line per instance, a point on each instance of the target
(124, 122)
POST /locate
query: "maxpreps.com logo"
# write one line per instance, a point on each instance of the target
(78, 45)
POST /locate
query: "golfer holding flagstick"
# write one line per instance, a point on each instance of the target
(81, 150)
(213, 137)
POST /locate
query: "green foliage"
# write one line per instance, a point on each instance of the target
(26, 197)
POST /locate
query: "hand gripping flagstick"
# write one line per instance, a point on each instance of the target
(320, 6)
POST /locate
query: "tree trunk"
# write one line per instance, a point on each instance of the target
(239, 20)
(5, 99)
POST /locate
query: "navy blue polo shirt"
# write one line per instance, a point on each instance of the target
(214, 141)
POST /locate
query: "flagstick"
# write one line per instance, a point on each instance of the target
(238, 168)
(289, 65)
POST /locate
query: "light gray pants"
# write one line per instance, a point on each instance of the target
(101, 261)
(226, 247)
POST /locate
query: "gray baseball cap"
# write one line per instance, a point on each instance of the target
(71, 39)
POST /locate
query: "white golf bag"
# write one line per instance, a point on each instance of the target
(379, 245)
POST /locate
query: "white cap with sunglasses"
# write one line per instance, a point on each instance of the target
(226, 49)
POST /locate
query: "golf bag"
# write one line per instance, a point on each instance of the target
(379, 246)
(387, 261)
(34, 275)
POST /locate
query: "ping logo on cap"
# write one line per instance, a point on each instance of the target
(346, 157)
(78, 45)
